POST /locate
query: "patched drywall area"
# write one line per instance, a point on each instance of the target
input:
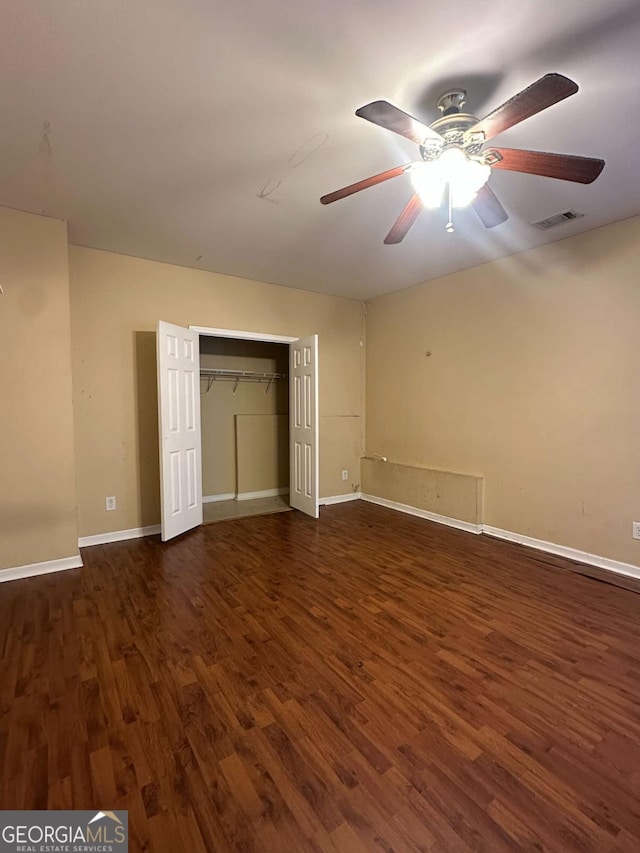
(456, 496)
(262, 459)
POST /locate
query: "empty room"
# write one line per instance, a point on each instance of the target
(320, 331)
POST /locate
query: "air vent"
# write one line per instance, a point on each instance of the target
(557, 219)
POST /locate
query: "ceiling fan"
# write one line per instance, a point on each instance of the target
(453, 159)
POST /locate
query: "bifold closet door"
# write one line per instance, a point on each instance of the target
(303, 425)
(179, 429)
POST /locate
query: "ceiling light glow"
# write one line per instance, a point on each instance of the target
(464, 175)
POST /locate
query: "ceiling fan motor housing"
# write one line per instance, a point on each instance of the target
(451, 102)
(453, 130)
(452, 127)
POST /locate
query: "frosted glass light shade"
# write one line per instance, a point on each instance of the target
(464, 175)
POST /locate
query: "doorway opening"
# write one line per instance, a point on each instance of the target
(244, 415)
(178, 360)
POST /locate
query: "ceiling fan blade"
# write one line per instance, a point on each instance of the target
(404, 221)
(545, 92)
(363, 185)
(565, 167)
(386, 115)
(488, 208)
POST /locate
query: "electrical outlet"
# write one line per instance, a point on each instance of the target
(110, 503)
(345, 474)
(636, 529)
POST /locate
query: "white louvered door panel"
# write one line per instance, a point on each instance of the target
(303, 425)
(179, 429)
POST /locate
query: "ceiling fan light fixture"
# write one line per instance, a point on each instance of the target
(453, 159)
(464, 175)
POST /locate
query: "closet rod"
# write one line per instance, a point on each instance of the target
(214, 374)
(239, 374)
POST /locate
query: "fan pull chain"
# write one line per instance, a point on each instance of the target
(450, 227)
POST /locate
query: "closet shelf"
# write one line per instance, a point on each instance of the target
(215, 374)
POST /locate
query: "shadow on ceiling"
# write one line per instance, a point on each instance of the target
(552, 54)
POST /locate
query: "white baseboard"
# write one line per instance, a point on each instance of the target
(118, 535)
(265, 493)
(340, 499)
(33, 569)
(563, 551)
(210, 499)
(423, 513)
(539, 544)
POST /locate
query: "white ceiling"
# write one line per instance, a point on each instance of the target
(203, 133)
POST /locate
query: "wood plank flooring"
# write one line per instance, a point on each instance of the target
(366, 682)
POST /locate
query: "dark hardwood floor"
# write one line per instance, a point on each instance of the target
(367, 682)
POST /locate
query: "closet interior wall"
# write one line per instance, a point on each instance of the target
(245, 424)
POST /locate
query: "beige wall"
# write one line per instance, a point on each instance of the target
(532, 382)
(220, 403)
(116, 302)
(38, 515)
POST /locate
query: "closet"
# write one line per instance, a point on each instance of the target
(244, 414)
